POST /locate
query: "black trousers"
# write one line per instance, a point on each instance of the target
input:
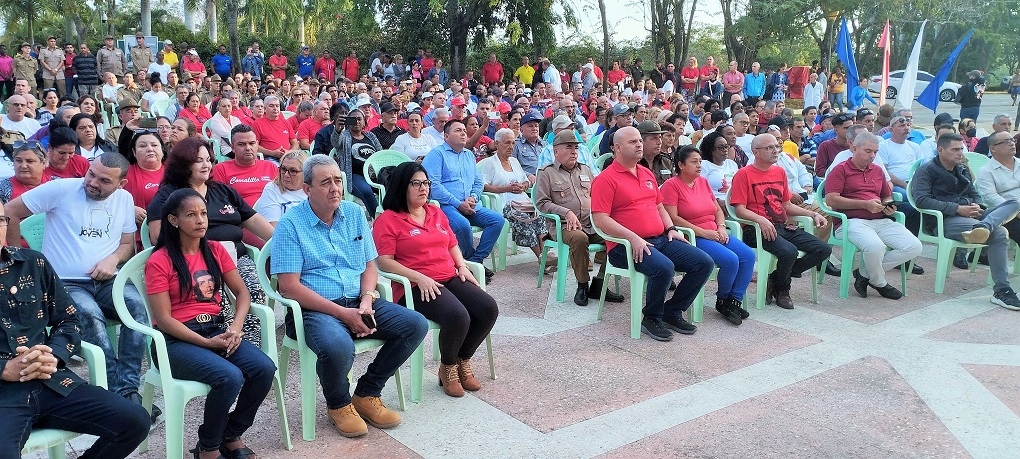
(465, 314)
(785, 248)
(120, 424)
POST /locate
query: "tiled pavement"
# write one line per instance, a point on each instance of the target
(926, 376)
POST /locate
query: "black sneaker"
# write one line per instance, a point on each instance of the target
(888, 291)
(655, 330)
(726, 309)
(860, 284)
(960, 260)
(488, 274)
(1007, 299)
(135, 397)
(679, 325)
(738, 306)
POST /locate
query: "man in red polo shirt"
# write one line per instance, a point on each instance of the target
(325, 67)
(273, 131)
(625, 203)
(492, 71)
(761, 194)
(309, 127)
(857, 187)
(246, 173)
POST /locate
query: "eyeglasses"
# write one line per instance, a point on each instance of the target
(139, 132)
(34, 144)
(419, 184)
(17, 104)
(769, 147)
(289, 171)
(1007, 141)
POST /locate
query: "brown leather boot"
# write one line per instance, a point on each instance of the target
(467, 378)
(449, 378)
(347, 421)
(372, 410)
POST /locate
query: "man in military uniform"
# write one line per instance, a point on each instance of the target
(141, 55)
(654, 159)
(564, 188)
(111, 59)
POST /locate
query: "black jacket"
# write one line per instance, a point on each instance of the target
(936, 188)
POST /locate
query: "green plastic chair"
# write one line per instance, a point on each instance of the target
(418, 357)
(377, 161)
(562, 254)
(698, 307)
(975, 161)
(946, 247)
(600, 162)
(494, 202)
(159, 108)
(287, 114)
(765, 262)
(32, 229)
(307, 358)
(177, 392)
(849, 249)
(54, 440)
(144, 230)
(217, 150)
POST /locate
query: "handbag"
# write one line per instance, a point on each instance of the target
(522, 211)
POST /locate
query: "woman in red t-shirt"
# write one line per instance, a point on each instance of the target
(415, 240)
(690, 203)
(183, 280)
(145, 172)
(195, 111)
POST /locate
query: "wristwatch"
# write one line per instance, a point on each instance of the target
(372, 293)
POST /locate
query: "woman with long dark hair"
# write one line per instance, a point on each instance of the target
(183, 278)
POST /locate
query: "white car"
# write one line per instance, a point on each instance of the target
(947, 93)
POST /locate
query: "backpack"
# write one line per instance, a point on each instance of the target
(382, 176)
(7, 139)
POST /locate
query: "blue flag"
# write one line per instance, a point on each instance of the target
(845, 54)
(930, 96)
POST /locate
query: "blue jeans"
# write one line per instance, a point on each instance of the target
(667, 258)
(94, 300)
(365, 193)
(245, 376)
(490, 222)
(736, 265)
(332, 342)
(970, 112)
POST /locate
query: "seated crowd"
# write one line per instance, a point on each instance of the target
(674, 171)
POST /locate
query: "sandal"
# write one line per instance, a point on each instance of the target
(198, 449)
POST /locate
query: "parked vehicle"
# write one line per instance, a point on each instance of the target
(947, 93)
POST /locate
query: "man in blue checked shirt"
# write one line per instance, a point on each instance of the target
(323, 255)
(305, 63)
(457, 185)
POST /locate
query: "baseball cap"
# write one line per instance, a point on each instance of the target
(530, 117)
(864, 112)
(620, 109)
(304, 47)
(412, 106)
(139, 34)
(842, 118)
(125, 104)
(565, 137)
(649, 127)
(589, 66)
(457, 101)
(386, 107)
(945, 118)
(561, 121)
(193, 52)
(216, 78)
(109, 37)
(364, 100)
(426, 95)
(779, 122)
(504, 107)
(824, 117)
(167, 42)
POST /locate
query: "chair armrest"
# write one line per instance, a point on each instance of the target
(96, 360)
(807, 223)
(402, 281)
(479, 272)
(268, 320)
(625, 243)
(734, 229)
(689, 234)
(491, 201)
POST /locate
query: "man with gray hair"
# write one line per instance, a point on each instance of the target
(274, 132)
(560, 124)
(1001, 123)
(857, 187)
(439, 118)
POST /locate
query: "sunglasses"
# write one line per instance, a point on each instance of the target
(33, 144)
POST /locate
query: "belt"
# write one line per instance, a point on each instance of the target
(205, 318)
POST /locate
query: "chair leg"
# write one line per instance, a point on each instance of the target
(561, 272)
(602, 296)
(58, 451)
(278, 388)
(400, 390)
(147, 396)
(763, 280)
(283, 364)
(637, 287)
(697, 309)
(435, 345)
(943, 261)
(492, 364)
(846, 272)
(174, 412)
(308, 388)
(541, 267)
(417, 370)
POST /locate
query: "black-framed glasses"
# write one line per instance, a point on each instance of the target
(289, 171)
(419, 184)
(1007, 141)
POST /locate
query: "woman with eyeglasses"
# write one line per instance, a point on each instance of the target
(691, 202)
(412, 143)
(414, 240)
(164, 128)
(183, 281)
(285, 191)
(716, 165)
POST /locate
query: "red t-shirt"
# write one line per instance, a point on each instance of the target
(203, 297)
(630, 200)
(295, 123)
(143, 184)
(853, 183)
(77, 166)
(491, 72)
(706, 71)
(616, 76)
(325, 67)
(695, 204)
(350, 68)
(272, 134)
(763, 192)
(688, 72)
(278, 60)
(426, 64)
(248, 181)
(308, 128)
(423, 248)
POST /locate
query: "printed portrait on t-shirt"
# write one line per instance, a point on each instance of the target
(772, 200)
(203, 286)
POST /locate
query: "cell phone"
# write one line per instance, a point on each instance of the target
(147, 123)
(350, 121)
(892, 203)
(493, 115)
(369, 320)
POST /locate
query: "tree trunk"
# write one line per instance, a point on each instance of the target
(605, 35)
(189, 17)
(146, 10)
(235, 53)
(687, 33)
(31, 22)
(679, 38)
(653, 8)
(301, 25)
(211, 20)
(111, 8)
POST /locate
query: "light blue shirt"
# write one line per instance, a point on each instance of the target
(454, 175)
(329, 259)
(754, 86)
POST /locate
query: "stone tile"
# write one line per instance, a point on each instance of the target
(1000, 381)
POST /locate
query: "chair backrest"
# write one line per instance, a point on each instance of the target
(600, 162)
(206, 132)
(159, 108)
(32, 229)
(381, 159)
(287, 114)
(144, 232)
(975, 161)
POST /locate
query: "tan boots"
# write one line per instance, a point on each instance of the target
(467, 378)
(457, 378)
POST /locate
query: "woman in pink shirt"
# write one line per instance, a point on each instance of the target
(689, 201)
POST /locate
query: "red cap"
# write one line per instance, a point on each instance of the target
(458, 102)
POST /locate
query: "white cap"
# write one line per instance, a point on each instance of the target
(589, 66)
(412, 106)
(364, 100)
(426, 95)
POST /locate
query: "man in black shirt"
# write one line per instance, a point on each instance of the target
(87, 68)
(387, 132)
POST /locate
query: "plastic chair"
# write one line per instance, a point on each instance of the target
(177, 392)
(377, 161)
(144, 230)
(975, 161)
(307, 358)
(765, 262)
(159, 108)
(849, 249)
(418, 357)
(600, 162)
(562, 253)
(32, 230)
(217, 150)
(946, 247)
(53, 440)
(287, 114)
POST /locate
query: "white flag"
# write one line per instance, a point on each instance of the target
(905, 96)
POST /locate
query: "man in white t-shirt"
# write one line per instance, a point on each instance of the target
(90, 226)
(899, 154)
(15, 119)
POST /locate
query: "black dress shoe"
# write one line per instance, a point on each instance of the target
(488, 274)
(136, 398)
(860, 284)
(595, 291)
(581, 296)
(982, 260)
(738, 306)
(960, 260)
(726, 309)
(917, 270)
(831, 269)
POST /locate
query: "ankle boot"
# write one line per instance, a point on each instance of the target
(467, 377)
(581, 295)
(595, 291)
(449, 379)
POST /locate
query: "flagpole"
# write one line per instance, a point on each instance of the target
(884, 43)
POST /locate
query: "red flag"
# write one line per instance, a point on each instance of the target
(884, 42)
